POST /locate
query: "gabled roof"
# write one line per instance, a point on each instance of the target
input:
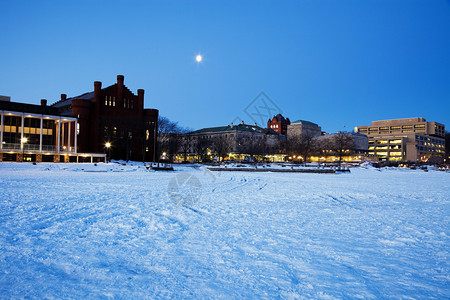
(280, 119)
(86, 96)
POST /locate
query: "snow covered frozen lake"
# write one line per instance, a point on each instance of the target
(94, 233)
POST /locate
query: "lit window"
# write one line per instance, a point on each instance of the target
(395, 154)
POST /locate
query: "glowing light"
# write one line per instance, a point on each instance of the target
(108, 144)
(198, 58)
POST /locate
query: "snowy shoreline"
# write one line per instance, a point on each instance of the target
(68, 232)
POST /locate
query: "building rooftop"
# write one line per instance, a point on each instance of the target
(86, 96)
(29, 108)
(303, 122)
(239, 127)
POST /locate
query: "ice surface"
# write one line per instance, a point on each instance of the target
(85, 231)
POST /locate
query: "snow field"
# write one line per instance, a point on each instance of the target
(114, 232)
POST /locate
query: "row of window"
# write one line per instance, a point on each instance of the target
(385, 153)
(114, 132)
(111, 101)
(30, 130)
(28, 122)
(15, 138)
(396, 141)
(385, 147)
(430, 149)
(428, 139)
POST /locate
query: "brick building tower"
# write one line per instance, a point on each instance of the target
(279, 124)
(113, 114)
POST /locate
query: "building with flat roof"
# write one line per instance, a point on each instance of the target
(412, 139)
(38, 133)
(302, 128)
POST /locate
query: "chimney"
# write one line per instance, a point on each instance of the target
(120, 79)
(140, 100)
(43, 102)
(120, 90)
(231, 125)
(97, 86)
(63, 97)
(97, 91)
(242, 122)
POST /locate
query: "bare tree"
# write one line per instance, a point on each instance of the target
(242, 144)
(221, 146)
(169, 137)
(303, 145)
(185, 145)
(201, 146)
(341, 144)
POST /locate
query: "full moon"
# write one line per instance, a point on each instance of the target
(198, 58)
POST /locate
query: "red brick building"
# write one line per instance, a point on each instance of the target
(279, 124)
(113, 114)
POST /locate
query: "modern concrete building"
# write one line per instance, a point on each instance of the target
(412, 139)
(303, 128)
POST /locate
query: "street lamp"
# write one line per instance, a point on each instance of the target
(108, 146)
(23, 140)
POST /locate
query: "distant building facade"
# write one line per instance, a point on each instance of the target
(238, 139)
(355, 142)
(115, 115)
(301, 128)
(279, 124)
(412, 139)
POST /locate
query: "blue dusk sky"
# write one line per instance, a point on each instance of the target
(339, 64)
